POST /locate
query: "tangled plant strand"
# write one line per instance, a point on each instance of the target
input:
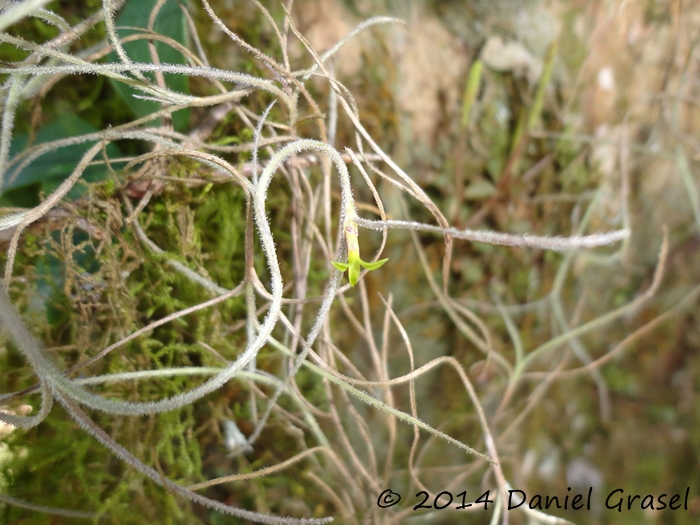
(329, 429)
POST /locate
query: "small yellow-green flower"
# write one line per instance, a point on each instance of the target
(354, 260)
(353, 266)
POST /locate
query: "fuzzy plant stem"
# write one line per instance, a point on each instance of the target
(348, 213)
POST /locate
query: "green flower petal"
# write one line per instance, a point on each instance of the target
(373, 265)
(340, 266)
(354, 272)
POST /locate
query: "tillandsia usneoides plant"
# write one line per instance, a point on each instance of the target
(185, 286)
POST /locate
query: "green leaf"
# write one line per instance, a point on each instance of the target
(171, 23)
(373, 265)
(51, 169)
